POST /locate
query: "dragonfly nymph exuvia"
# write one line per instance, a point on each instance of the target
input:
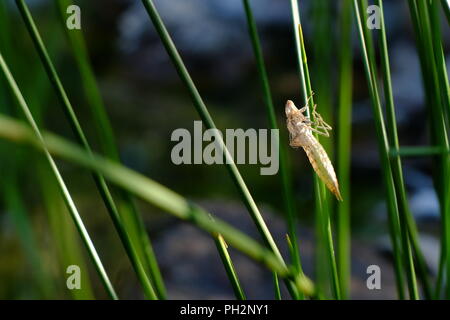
(301, 129)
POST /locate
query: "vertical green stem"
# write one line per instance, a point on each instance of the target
(395, 177)
(445, 92)
(322, 205)
(276, 286)
(209, 123)
(391, 126)
(321, 16)
(435, 82)
(441, 68)
(344, 146)
(284, 169)
(383, 146)
(89, 83)
(222, 247)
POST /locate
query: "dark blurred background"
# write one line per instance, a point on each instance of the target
(146, 101)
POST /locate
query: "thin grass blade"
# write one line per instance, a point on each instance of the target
(67, 197)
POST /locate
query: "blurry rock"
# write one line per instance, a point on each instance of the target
(200, 27)
(429, 245)
(211, 36)
(406, 81)
(425, 205)
(192, 268)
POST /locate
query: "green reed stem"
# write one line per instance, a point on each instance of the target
(286, 180)
(383, 145)
(396, 161)
(321, 17)
(14, 204)
(78, 131)
(276, 285)
(65, 192)
(323, 221)
(344, 146)
(436, 95)
(222, 247)
(322, 63)
(445, 92)
(435, 27)
(436, 36)
(89, 83)
(209, 124)
(128, 210)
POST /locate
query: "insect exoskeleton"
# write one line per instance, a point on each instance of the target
(301, 130)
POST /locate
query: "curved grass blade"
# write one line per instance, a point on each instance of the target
(156, 194)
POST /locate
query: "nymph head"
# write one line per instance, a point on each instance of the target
(295, 115)
(290, 109)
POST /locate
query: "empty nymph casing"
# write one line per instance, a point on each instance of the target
(300, 135)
